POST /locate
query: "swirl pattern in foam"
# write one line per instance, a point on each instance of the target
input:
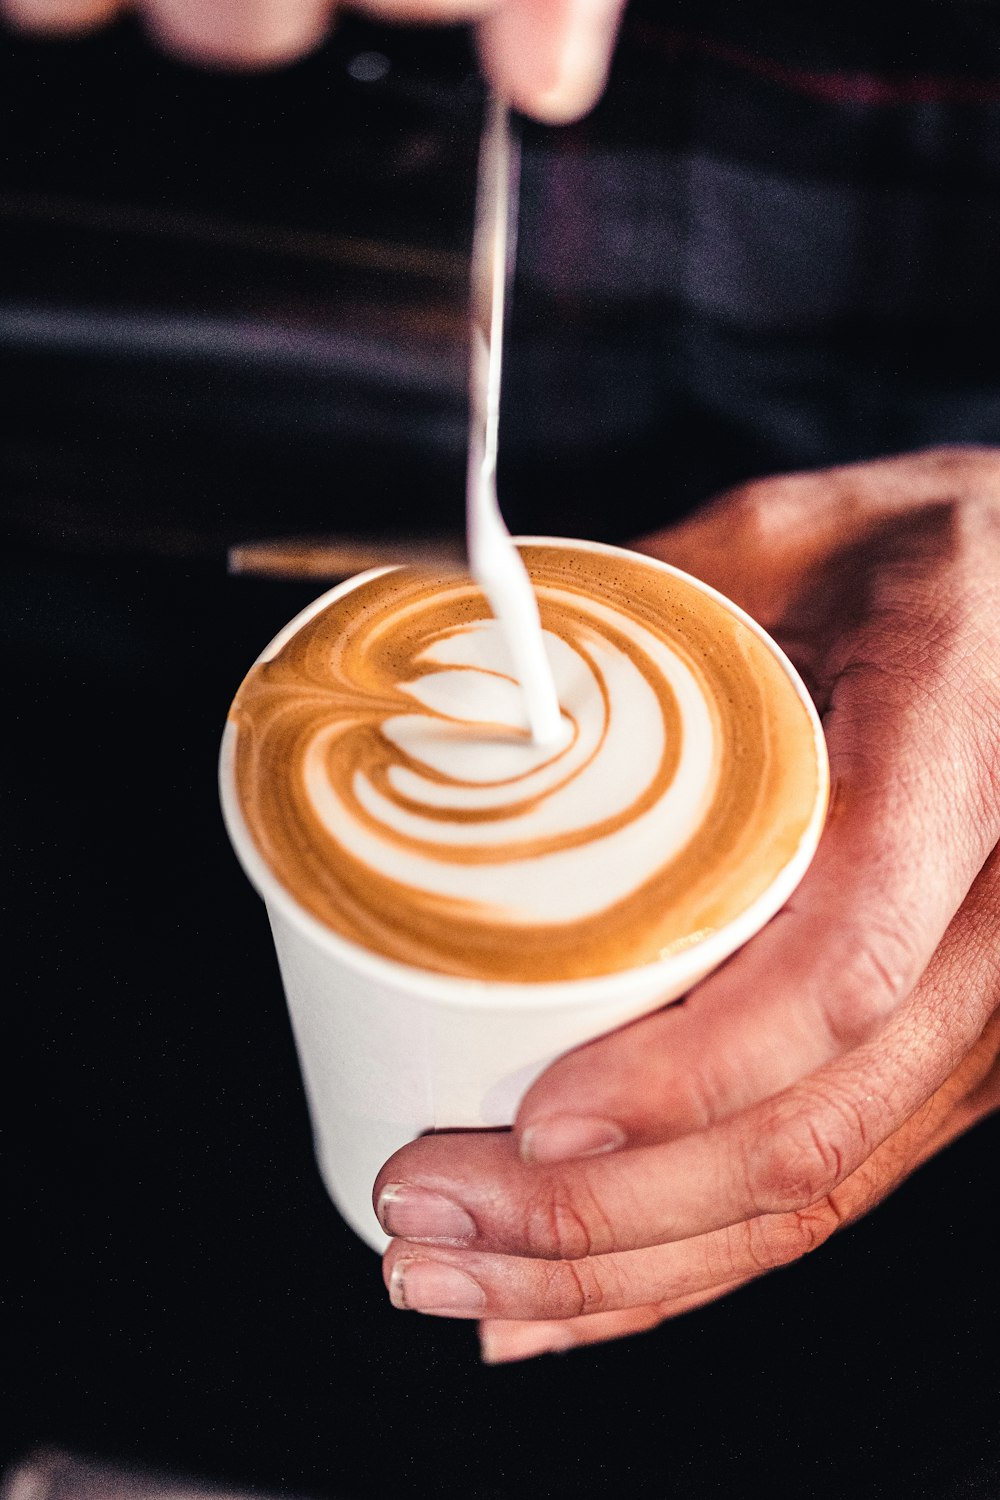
(385, 770)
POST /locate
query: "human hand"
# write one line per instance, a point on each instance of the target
(660, 1167)
(548, 58)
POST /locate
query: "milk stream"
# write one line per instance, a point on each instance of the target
(497, 567)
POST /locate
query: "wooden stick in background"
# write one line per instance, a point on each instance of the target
(341, 556)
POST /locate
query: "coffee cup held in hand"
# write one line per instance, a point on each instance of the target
(410, 838)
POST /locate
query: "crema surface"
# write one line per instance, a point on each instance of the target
(386, 774)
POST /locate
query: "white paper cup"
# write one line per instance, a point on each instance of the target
(389, 1052)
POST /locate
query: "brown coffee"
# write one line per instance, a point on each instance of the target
(385, 772)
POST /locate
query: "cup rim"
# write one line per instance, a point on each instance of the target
(680, 969)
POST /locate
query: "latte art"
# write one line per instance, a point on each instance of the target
(386, 772)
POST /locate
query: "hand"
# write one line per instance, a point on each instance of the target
(666, 1164)
(549, 58)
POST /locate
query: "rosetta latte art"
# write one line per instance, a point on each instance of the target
(386, 773)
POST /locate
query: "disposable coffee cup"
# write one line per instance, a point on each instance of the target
(389, 1052)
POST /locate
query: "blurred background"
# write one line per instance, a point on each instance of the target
(232, 310)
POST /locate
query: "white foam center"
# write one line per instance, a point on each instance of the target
(465, 748)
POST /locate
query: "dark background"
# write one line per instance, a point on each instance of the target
(232, 309)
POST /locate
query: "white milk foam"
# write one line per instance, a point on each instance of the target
(471, 753)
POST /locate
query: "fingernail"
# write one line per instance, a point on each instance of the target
(428, 1286)
(562, 1137)
(503, 1345)
(415, 1213)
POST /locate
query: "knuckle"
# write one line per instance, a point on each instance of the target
(564, 1221)
(798, 1158)
(876, 976)
(781, 1239)
(575, 1289)
(701, 1095)
(971, 467)
(754, 507)
(748, 511)
(949, 460)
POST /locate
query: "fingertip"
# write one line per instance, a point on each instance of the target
(550, 62)
(502, 1343)
(240, 37)
(58, 17)
(568, 100)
